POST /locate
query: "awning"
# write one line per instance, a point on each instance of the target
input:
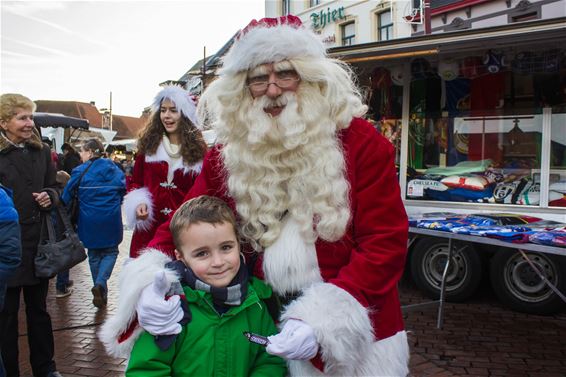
(59, 120)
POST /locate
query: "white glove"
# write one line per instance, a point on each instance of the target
(155, 314)
(296, 341)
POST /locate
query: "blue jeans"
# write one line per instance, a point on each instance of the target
(101, 263)
(62, 280)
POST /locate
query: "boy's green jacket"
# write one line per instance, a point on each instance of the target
(212, 344)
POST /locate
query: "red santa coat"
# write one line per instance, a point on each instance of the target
(355, 310)
(161, 183)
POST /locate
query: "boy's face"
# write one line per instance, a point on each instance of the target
(212, 251)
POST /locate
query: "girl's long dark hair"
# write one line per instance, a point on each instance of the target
(193, 146)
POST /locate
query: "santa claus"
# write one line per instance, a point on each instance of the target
(315, 189)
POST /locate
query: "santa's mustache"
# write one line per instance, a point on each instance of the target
(283, 100)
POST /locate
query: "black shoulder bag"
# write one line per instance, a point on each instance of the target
(56, 254)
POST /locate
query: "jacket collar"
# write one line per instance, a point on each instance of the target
(34, 142)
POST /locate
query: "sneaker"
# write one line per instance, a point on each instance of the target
(64, 293)
(54, 374)
(98, 297)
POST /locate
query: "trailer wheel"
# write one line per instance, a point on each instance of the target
(427, 266)
(519, 287)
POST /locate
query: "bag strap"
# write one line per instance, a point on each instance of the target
(76, 189)
(64, 219)
(47, 222)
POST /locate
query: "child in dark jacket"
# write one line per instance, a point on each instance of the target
(219, 300)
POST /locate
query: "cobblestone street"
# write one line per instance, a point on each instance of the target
(479, 338)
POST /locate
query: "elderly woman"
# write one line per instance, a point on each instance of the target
(26, 169)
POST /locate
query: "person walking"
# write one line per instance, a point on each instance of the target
(100, 187)
(26, 169)
(70, 159)
(170, 153)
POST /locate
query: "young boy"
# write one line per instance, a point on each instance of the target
(223, 303)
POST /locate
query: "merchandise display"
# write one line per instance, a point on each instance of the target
(504, 227)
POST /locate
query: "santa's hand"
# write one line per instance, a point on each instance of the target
(296, 341)
(155, 314)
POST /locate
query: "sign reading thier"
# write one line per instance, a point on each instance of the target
(322, 18)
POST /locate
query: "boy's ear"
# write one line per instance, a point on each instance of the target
(178, 254)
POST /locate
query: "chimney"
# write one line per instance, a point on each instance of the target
(92, 103)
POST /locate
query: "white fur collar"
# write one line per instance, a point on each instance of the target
(174, 164)
(290, 264)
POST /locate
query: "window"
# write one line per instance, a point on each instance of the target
(348, 34)
(384, 26)
(285, 7)
(314, 3)
(525, 17)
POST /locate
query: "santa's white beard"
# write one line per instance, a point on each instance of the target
(292, 163)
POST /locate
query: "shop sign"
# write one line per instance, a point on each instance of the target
(323, 18)
(330, 39)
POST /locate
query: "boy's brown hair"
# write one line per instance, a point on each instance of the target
(202, 209)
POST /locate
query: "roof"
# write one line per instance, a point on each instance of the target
(75, 109)
(212, 61)
(125, 126)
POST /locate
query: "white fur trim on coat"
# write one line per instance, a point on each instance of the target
(271, 44)
(131, 201)
(345, 335)
(172, 164)
(134, 277)
(290, 264)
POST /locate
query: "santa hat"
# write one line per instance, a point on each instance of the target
(271, 40)
(182, 100)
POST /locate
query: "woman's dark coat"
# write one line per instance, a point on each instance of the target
(25, 171)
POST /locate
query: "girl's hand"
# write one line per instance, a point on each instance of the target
(141, 212)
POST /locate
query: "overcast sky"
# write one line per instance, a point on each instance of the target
(83, 50)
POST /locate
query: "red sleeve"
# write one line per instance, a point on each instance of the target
(137, 174)
(379, 220)
(209, 182)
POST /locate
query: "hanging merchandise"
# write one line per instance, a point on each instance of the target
(524, 62)
(494, 61)
(381, 96)
(448, 69)
(420, 68)
(471, 67)
(397, 75)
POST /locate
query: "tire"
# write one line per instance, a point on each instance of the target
(518, 286)
(427, 266)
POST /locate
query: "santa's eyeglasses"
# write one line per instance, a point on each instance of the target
(283, 79)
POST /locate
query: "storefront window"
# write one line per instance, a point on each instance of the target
(476, 126)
